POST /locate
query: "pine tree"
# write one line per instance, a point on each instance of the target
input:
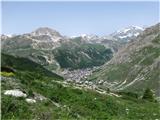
(148, 95)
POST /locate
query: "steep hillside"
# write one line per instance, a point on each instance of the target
(25, 65)
(135, 67)
(27, 93)
(79, 54)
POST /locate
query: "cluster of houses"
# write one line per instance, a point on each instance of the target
(78, 75)
(79, 78)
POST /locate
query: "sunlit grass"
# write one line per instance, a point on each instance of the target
(7, 74)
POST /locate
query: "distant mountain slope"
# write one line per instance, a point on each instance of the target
(37, 46)
(136, 66)
(46, 46)
(45, 32)
(115, 40)
(49, 48)
(108, 41)
(79, 54)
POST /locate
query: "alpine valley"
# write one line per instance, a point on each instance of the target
(47, 76)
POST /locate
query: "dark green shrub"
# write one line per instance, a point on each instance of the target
(148, 95)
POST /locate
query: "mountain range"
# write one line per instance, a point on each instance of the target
(46, 76)
(44, 44)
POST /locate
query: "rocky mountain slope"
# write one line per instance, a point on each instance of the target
(37, 46)
(135, 67)
(115, 40)
(46, 34)
(107, 41)
(47, 47)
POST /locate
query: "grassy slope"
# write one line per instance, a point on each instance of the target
(75, 103)
(23, 64)
(143, 64)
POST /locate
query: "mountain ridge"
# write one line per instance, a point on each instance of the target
(136, 66)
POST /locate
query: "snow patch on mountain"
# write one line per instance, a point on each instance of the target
(127, 33)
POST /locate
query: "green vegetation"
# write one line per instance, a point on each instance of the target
(142, 64)
(146, 56)
(73, 103)
(148, 95)
(23, 64)
(139, 70)
(76, 54)
(79, 104)
(7, 74)
(157, 39)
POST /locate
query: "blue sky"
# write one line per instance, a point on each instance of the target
(74, 18)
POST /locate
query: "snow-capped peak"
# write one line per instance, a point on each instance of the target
(140, 28)
(127, 33)
(90, 38)
(6, 36)
(130, 28)
(9, 35)
(87, 36)
(84, 35)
